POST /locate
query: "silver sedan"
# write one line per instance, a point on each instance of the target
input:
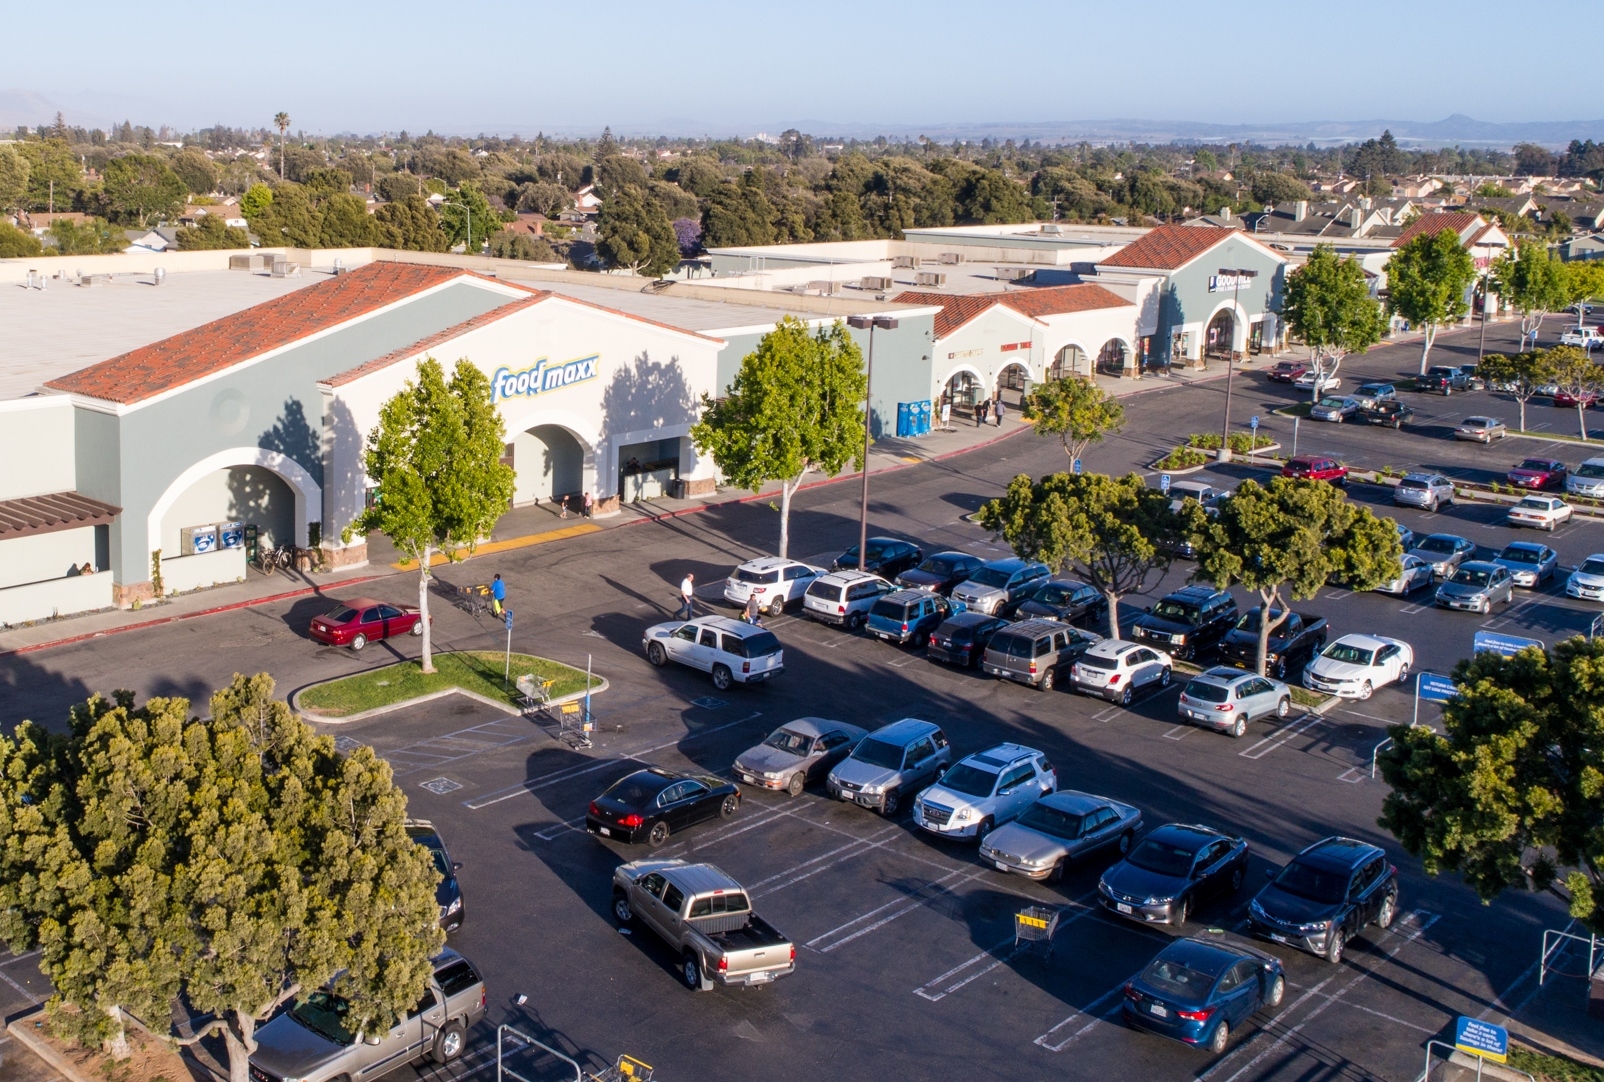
(1415, 574)
(796, 753)
(1481, 429)
(1529, 563)
(1058, 830)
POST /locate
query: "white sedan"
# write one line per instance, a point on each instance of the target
(1310, 378)
(1543, 512)
(1353, 666)
(775, 581)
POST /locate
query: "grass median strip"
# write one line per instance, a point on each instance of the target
(478, 672)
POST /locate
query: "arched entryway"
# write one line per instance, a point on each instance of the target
(1111, 358)
(244, 484)
(1221, 333)
(1012, 382)
(964, 391)
(1069, 361)
(550, 464)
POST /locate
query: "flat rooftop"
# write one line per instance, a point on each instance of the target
(686, 313)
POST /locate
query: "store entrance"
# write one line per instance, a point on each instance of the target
(1217, 342)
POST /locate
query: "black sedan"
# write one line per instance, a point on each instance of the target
(651, 804)
(1388, 414)
(962, 639)
(888, 557)
(448, 892)
(1068, 600)
(1329, 893)
(1172, 871)
(940, 572)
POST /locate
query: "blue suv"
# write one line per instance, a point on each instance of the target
(1330, 893)
(910, 615)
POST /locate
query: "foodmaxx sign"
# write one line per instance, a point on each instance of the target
(543, 376)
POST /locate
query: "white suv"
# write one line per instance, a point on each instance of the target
(1586, 337)
(844, 598)
(1116, 670)
(776, 581)
(733, 651)
(984, 791)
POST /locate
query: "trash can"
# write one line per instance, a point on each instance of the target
(678, 488)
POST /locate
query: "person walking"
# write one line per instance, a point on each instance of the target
(562, 501)
(997, 409)
(498, 595)
(687, 593)
(587, 505)
(754, 610)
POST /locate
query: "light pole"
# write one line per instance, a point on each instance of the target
(1237, 275)
(1481, 346)
(467, 242)
(869, 323)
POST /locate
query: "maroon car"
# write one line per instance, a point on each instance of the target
(362, 620)
(1567, 400)
(1316, 468)
(1287, 371)
(1538, 473)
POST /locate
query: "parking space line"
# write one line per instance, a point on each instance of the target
(15, 958)
(1178, 732)
(1510, 614)
(1372, 717)
(1106, 713)
(1093, 1010)
(552, 831)
(753, 890)
(705, 840)
(1410, 610)
(909, 660)
(1353, 775)
(23, 992)
(934, 887)
(1281, 737)
(997, 960)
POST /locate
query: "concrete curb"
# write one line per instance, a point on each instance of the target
(22, 1030)
(347, 719)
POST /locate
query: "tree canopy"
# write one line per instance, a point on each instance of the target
(1074, 409)
(634, 232)
(210, 232)
(1534, 282)
(141, 188)
(1575, 374)
(1426, 281)
(1328, 305)
(1520, 376)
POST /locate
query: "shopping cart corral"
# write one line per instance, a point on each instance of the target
(521, 1058)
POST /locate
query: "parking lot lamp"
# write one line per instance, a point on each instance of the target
(869, 323)
(1237, 275)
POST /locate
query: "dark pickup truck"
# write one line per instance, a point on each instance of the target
(1293, 642)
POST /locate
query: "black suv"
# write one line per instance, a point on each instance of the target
(448, 893)
(1188, 622)
(1328, 894)
(888, 557)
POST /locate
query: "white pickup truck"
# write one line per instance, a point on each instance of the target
(1586, 338)
(706, 917)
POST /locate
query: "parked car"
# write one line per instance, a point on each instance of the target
(1481, 429)
(1406, 536)
(1227, 699)
(1058, 830)
(1587, 338)
(448, 892)
(1541, 512)
(1313, 381)
(1188, 622)
(1116, 670)
(1573, 398)
(732, 651)
(1199, 990)
(1205, 494)
(796, 753)
(1316, 468)
(1334, 408)
(1036, 652)
(940, 572)
(1469, 378)
(1292, 642)
(1389, 414)
(962, 639)
(651, 805)
(1414, 574)
(909, 615)
(1538, 473)
(1328, 894)
(844, 598)
(983, 791)
(316, 1040)
(1444, 552)
(888, 557)
(1440, 379)
(899, 758)
(1371, 395)
(706, 919)
(1587, 581)
(997, 586)
(1476, 586)
(1353, 666)
(1430, 491)
(1172, 871)
(362, 620)
(1286, 371)
(1587, 479)
(776, 582)
(1069, 600)
(1527, 562)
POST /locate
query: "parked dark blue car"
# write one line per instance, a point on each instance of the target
(1172, 871)
(1330, 893)
(910, 615)
(1200, 991)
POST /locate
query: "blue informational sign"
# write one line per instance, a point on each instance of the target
(1490, 642)
(507, 617)
(1481, 1039)
(1076, 466)
(1254, 424)
(231, 535)
(1164, 483)
(1434, 688)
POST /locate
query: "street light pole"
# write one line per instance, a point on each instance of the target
(1224, 454)
(1481, 346)
(869, 323)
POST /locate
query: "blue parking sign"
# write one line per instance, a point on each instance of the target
(1434, 688)
(1254, 423)
(1490, 642)
(1075, 467)
(507, 616)
(1481, 1039)
(1164, 483)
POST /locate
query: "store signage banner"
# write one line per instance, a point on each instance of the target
(1226, 283)
(543, 376)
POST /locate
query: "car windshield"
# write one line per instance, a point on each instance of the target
(744, 575)
(1349, 653)
(1475, 422)
(969, 780)
(1053, 594)
(1333, 403)
(1092, 662)
(891, 610)
(1313, 882)
(324, 1014)
(937, 565)
(1175, 979)
(1536, 503)
(1249, 621)
(878, 753)
(1373, 388)
(1436, 544)
(1515, 554)
(1593, 567)
(1161, 857)
(990, 576)
(1174, 610)
(1589, 469)
(1206, 691)
(1050, 820)
(1535, 464)
(341, 615)
(786, 740)
(637, 790)
(829, 591)
(1472, 576)
(441, 863)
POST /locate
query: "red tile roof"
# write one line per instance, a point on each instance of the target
(957, 310)
(51, 514)
(1169, 247)
(213, 347)
(1436, 223)
(426, 344)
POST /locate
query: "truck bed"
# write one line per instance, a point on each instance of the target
(755, 934)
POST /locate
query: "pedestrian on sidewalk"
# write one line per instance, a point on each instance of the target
(562, 501)
(754, 610)
(498, 595)
(997, 409)
(587, 505)
(687, 593)
(980, 413)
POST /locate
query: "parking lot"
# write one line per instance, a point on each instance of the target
(906, 959)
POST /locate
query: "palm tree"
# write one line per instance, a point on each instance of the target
(282, 121)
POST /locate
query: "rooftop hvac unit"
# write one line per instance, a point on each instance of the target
(822, 287)
(952, 258)
(931, 278)
(1014, 274)
(873, 282)
(1051, 229)
(902, 262)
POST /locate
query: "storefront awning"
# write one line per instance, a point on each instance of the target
(51, 514)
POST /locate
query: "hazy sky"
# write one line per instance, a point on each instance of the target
(726, 67)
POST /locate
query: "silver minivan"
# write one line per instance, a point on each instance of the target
(1587, 479)
(844, 598)
(900, 759)
(1036, 652)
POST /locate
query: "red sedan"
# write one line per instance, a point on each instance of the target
(362, 620)
(1316, 468)
(1287, 371)
(1566, 400)
(1539, 473)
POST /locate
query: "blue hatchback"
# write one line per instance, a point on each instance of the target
(1199, 991)
(910, 615)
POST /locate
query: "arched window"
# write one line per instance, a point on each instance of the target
(1217, 342)
(1071, 361)
(1111, 358)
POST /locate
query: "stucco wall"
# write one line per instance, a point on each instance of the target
(1187, 303)
(45, 556)
(37, 447)
(55, 597)
(250, 494)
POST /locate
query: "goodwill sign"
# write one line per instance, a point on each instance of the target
(543, 376)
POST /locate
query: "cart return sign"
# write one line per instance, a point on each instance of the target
(1488, 642)
(1482, 1039)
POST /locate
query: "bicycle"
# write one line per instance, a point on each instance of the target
(270, 560)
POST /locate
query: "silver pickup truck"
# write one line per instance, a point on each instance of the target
(707, 919)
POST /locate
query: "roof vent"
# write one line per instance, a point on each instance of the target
(951, 258)
(876, 282)
(1014, 274)
(1051, 229)
(1300, 210)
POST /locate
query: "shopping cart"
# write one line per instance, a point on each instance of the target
(533, 692)
(627, 1069)
(575, 723)
(1034, 927)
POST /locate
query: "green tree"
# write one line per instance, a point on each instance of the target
(1519, 376)
(344, 222)
(1512, 791)
(543, 198)
(327, 180)
(394, 187)
(1328, 305)
(1292, 536)
(95, 236)
(479, 214)
(1076, 410)
(410, 225)
(15, 242)
(255, 201)
(1576, 375)
(796, 404)
(1116, 532)
(281, 121)
(14, 169)
(436, 457)
(196, 170)
(55, 173)
(291, 218)
(634, 232)
(509, 245)
(1279, 188)
(210, 233)
(141, 188)
(1534, 282)
(1426, 281)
